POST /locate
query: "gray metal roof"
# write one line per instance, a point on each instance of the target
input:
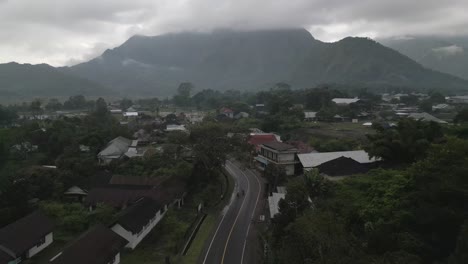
(310, 160)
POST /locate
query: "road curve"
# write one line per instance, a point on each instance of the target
(233, 242)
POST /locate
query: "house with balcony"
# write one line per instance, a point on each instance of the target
(280, 154)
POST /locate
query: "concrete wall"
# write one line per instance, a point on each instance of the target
(289, 169)
(49, 238)
(116, 259)
(286, 157)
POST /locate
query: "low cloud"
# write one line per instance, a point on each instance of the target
(66, 32)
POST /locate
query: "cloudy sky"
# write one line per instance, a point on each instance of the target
(64, 32)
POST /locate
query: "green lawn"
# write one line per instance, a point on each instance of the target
(197, 244)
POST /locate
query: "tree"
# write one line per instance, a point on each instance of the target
(35, 107)
(405, 143)
(100, 108)
(183, 94)
(426, 106)
(462, 116)
(125, 104)
(54, 105)
(275, 174)
(75, 102)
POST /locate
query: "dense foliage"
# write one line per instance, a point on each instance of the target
(417, 214)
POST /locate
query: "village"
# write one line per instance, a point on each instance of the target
(108, 202)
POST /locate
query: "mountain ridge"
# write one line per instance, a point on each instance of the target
(255, 60)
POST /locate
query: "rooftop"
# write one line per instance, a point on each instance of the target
(311, 160)
(20, 236)
(98, 245)
(345, 100)
(426, 117)
(135, 217)
(280, 146)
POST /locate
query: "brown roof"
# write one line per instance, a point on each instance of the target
(135, 217)
(25, 233)
(280, 146)
(98, 245)
(124, 195)
(136, 180)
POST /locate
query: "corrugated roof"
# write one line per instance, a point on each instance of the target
(345, 100)
(117, 147)
(426, 117)
(98, 245)
(311, 160)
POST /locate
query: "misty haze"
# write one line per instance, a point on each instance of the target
(231, 132)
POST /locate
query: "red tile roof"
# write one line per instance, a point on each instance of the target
(258, 140)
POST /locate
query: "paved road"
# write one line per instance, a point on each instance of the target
(233, 241)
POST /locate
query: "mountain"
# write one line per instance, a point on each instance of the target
(249, 60)
(362, 61)
(26, 80)
(445, 54)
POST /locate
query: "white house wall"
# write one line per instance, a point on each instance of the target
(135, 239)
(116, 259)
(36, 249)
(286, 157)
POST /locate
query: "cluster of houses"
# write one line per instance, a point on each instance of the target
(142, 202)
(398, 109)
(296, 158)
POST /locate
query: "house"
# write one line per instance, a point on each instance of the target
(278, 153)
(241, 115)
(130, 114)
(76, 193)
(257, 139)
(118, 148)
(138, 220)
(227, 112)
(426, 117)
(98, 245)
(343, 166)
(123, 196)
(114, 150)
(170, 128)
(345, 159)
(310, 116)
(345, 101)
(25, 238)
(442, 108)
(461, 99)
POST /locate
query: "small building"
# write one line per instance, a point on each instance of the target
(25, 238)
(138, 220)
(130, 114)
(171, 128)
(257, 139)
(76, 193)
(315, 160)
(461, 99)
(241, 115)
(345, 101)
(227, 112)
(426, 117)
(114, 150)
(278, 153)
(310, 116)
(98, 245)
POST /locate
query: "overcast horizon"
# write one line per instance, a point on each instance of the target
(69, 32)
